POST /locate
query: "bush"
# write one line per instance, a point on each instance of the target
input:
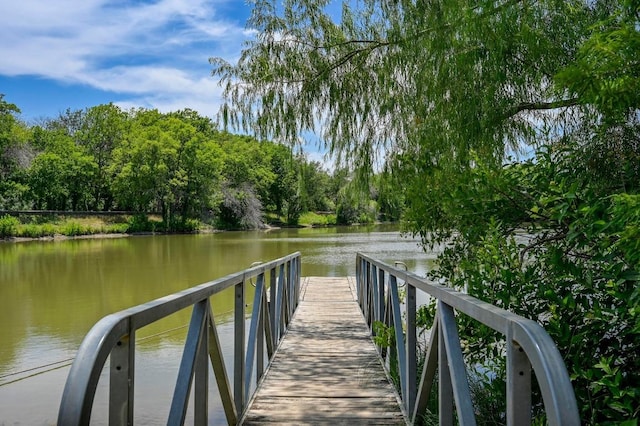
(8, 226)
(187, 225)
(116, 228)
(314, 219)
(72, 229)
(36, 231)
(141, 223)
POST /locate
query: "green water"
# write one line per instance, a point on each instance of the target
(51, 294)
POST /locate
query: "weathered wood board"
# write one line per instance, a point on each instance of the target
(326, 370)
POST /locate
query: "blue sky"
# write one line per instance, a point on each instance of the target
(59, 54)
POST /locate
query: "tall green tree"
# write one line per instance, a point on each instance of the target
(15, 156)
(165, 165)
(101, 130)
(283, 188)
(60, 176)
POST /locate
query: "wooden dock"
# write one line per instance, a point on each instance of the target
(326, 370)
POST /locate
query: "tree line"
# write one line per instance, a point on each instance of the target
(177, 164)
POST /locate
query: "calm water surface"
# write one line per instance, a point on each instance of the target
(51, 294)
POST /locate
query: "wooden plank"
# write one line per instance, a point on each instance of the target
(326, 370)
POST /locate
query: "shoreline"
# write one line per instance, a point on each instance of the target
(102, 235)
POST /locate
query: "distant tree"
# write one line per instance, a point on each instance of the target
(59, 177)
(15, 156)
(166, 165)
(100, 130)
(69, 121)
(240, 208)
(389, 195)
(283, 187)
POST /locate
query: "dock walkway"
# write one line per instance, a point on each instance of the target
(326, 370)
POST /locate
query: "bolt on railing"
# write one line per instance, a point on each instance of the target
(528, 347)
(114, 335)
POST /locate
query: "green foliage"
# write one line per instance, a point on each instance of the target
(101, 130)
(604, 73)
(165, 165)
(315, 219)
(33, 230)
(177, 165)
(353, 207)
(572, 266)
(8, 226)
(437, 81)
(72, 228)
(15, 154)
(142, 223)
(116, 228)
(383, 336)
(59, 176)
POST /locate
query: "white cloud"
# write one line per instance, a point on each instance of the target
(156, 51)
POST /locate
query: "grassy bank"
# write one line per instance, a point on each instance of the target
(315, 219)
(38, 226)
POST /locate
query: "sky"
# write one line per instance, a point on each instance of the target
(68, 54)
(59, 54)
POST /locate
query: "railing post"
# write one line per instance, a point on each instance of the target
(411, 338)
(381, 294)
(190, 354)
(292, 287)
(280, 296)
(371, 296)
(254, 332)
(298, 275)
(445, 387)
(201, 388)
(238, 343)
(366, 297)
(220, 373)
(376, 295)
(121, 381)
(359, 262)
(273, 288)
(260, 337)
(400, 341)
(518, 384)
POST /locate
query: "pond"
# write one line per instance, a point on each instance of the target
(52, 293)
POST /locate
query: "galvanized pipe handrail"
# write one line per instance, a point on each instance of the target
(115, 335)
(528, 347)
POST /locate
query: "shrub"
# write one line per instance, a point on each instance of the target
(8, 226)
(187, 225)
(72, 228)
(116, 228)
(141, 223)
(313, 219)
(30, 231)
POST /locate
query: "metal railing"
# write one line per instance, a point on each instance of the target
(528, 347)
(114, 335)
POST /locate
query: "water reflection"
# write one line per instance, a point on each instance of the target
(51, 294)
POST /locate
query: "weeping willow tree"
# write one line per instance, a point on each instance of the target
(494, 116)
(439, 79)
